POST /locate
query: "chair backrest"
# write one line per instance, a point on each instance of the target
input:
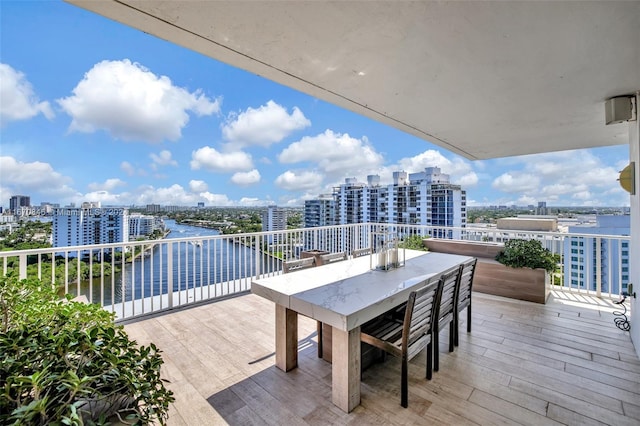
(361, 252)
(467, 270)
(420, 316)
(449, 282)
(333, 257)
(297, 264)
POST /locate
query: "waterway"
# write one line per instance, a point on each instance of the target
(195, 262)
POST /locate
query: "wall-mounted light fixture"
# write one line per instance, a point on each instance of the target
(627, 178)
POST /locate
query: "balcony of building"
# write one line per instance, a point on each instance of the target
(563, 362)
(518, 78)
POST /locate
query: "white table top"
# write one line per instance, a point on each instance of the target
(347, 294)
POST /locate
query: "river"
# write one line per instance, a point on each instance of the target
(195, 261)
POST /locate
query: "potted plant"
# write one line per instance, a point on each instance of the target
(414, 242)
(519, 269)
(66, 362)
(528, 268)
(519, 253)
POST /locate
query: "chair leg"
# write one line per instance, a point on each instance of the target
(404, 383)
(436, 350)
(429, 361)
(319, 325)
(456, 326)
(469, 318)
(452, 333)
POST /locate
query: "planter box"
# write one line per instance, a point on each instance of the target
(317, 254)
(492, 277)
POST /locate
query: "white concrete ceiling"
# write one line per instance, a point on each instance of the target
(482, 79)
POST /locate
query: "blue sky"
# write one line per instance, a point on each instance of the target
(92, 110)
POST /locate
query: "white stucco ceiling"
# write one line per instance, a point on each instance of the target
(482, 79)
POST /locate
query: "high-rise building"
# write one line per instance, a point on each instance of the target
(91, 225)
(141, 225)
(542, 208)
(274, 219)
(588, 258)
(16, 202)
(424, 198)
(348, 202)
(319, 212)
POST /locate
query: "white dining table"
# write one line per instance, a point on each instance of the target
(344, 295)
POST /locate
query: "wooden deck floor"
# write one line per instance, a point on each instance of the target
(523, 363)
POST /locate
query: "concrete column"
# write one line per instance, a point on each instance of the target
(634, 249)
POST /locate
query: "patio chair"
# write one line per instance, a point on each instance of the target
(361, 252)
(296, 265)
(463, 299)
(409, 337)
(446, 313)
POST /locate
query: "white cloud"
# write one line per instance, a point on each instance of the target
(163, 159)
(263, 126)
(516, 182)
(460, 171)
(337, 155)
(246, 178)
(216, 199)
(526, 201)
(468, 180)
(210, 159)
(107, 185)
(198, 186)
(43, 183)
(131, 103)
(582, 196)
(252, 201)
(171, 195)
(428, 158)
(34, 178)
(105, 198)
(576, 177)
(128, 168)
(300, 181)
(17, 99)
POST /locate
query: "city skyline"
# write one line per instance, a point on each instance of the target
(93, 110)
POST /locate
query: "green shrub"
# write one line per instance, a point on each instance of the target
(528, 254)
(66, 362)
(413, 242)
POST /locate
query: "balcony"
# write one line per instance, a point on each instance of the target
(560, 363)
(523, 363)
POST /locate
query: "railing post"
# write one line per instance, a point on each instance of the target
(170, 274)
(258, 254)
(22, 274)
(598, 267)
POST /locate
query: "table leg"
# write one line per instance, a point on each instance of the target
(327, 330)
(345, 368)
(286, 338)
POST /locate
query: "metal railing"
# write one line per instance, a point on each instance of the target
(138, 278)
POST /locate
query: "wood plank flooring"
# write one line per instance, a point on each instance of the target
(523, 363)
